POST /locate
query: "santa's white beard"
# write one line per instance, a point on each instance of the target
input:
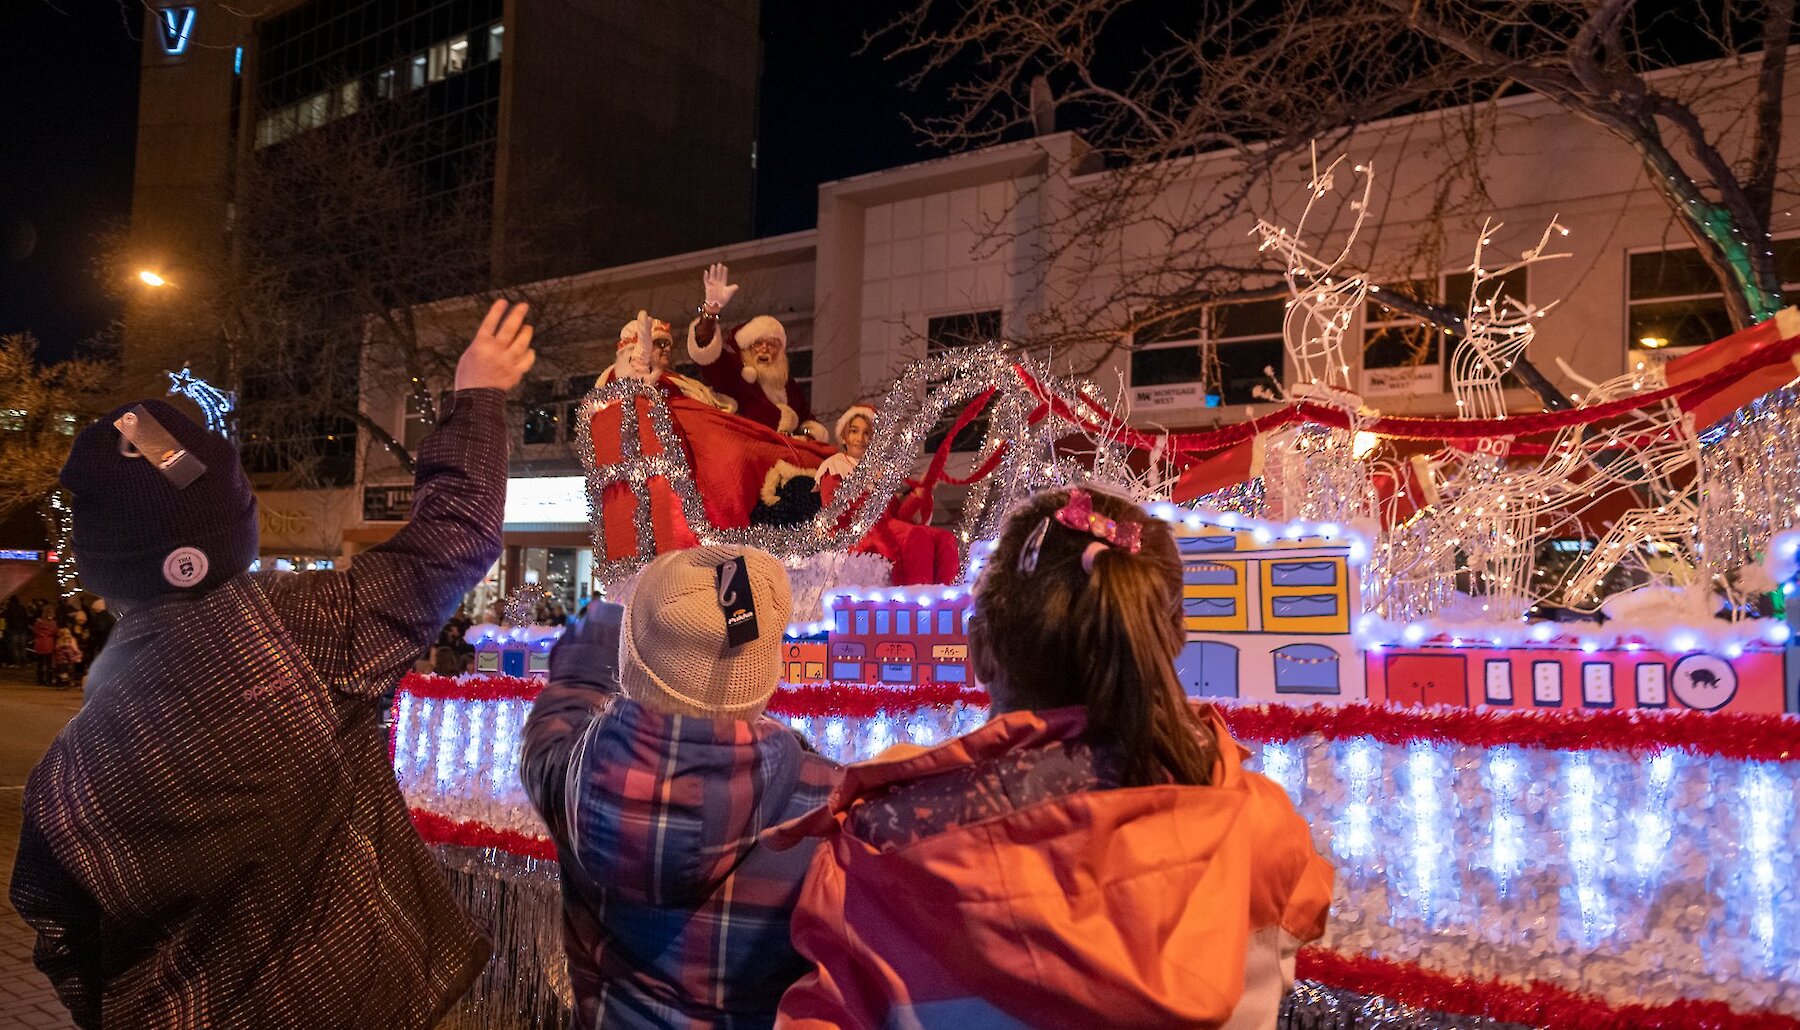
(772, 377)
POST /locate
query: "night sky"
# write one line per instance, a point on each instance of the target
(67, 135)
(68, 126)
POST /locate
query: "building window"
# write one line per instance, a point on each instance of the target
(1673, 301)
(951, 674)
(1306, 669)
(543, 413)
(1189, 545)
(1402, 353)
(946, 333)
(349, 98)
(1208, 607)
(1304, 606)
(315, 111)
(415, 72)
(881, 620)
(496, 40)
(840, 622)
(1303, 574)
(850, 671)
(946, 622)
(387, 83)
(862, 622)
(458, 58)
(1209, 357)
(896, 672)
(1209, 574)
(903, 622)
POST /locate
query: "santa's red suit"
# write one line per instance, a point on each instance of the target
(783, 408)
(920, 553)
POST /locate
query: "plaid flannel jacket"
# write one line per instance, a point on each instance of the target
(216, 839)
(674, 912)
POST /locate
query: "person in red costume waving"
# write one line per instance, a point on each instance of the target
(920, 553)
(749, 363)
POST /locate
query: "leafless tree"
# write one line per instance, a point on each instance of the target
(343, 239)
(1150, 83)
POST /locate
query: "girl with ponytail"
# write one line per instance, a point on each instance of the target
(1096, 855)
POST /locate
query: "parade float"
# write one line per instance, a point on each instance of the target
(1549, 801)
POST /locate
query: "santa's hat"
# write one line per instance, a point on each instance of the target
(853, 411)
(658, 329)
(760, 327)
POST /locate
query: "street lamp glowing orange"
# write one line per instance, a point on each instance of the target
(150, 278)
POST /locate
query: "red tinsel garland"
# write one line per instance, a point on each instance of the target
(856, 701)
(848, 700)
(1740, 736)
(471, 688)
(1534, 1004)
(438, 829)
(1423, 428)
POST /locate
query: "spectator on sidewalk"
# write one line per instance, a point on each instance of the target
(656, 771)
(65, 660)
(100, 627)
(1096, 855)
(18, 631)
(43, 642)
(216, 840)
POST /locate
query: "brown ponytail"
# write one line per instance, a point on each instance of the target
(1056, 634)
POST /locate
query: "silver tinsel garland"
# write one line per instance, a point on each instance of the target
(1750, 479)
(914, 404)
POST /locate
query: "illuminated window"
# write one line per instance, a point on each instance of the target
(315, 111)
(903, 621)
(951, 674)
(881, 620)
(387, 83)
(496, 40)
(415, 72)
(946, 622)
(438, 61)
(896, 672)
(349, 98)
(1673, 301)
(458, 58)
(862, 622)
(840, 622)
(846, 670)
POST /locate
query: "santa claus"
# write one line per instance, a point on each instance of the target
(651, 364)
(749, 363)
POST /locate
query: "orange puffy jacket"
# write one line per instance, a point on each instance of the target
(1131, 907)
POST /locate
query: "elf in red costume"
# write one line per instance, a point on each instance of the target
(749, 364)
(920, 553)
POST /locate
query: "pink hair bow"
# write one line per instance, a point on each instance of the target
(1080, 516)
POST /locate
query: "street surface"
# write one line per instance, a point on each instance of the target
(30, 716)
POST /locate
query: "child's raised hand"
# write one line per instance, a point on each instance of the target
(500, 354)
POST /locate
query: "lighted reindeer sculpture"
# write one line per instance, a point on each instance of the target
(1311, 472)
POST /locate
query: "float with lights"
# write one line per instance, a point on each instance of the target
(1544, 823)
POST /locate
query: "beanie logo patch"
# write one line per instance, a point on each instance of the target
(737, 601)
(185, 566)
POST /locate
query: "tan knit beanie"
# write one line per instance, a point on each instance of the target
(674, 655)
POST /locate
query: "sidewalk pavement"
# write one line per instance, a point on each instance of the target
(31, 716)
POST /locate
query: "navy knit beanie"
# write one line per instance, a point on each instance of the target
(137, 534)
